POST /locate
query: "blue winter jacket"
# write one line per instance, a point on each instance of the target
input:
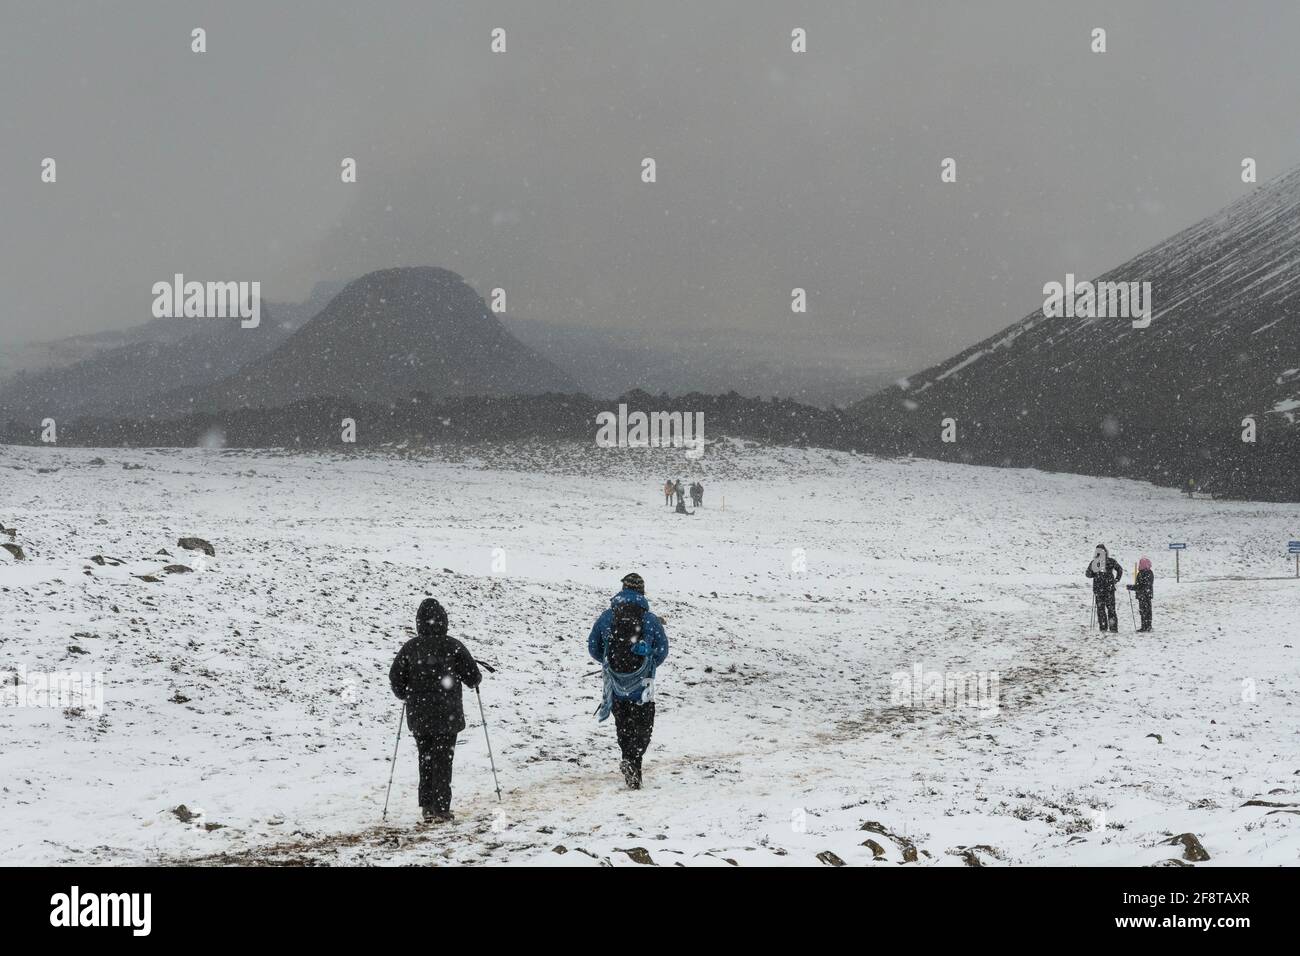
(652, 630)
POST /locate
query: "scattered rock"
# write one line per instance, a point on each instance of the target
(15, 550)
(177, 569)
(102, 560)
(178, 698)
(1192, 849)
(1171, 862)
(829, 858)
(197, 544)
(148, 578)
(183, 814)
(561, 849)
(164, 552)
(970, 855)
(638, 854)
(1159, 739)
(96, 461)
(877, 851)
(907, 846)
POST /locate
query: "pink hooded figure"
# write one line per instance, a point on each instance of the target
(1144, 589)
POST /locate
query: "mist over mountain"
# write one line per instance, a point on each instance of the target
(125, 373)
(126, 381)
(608, 362)
(387, 335)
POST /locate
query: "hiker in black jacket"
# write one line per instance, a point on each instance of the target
(1145, 589)
(428, 673)
(1105, 571)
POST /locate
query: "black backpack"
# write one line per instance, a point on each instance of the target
(623, 637)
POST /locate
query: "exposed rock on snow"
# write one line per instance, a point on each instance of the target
(197, 544)
(1192, 849)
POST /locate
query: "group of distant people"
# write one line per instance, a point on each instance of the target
(1106, 572)
(673, 489)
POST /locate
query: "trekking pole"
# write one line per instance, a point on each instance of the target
(1130, 611)
(489, 744)
(393, 763)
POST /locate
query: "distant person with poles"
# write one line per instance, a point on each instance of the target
(630, 644)
(680, 492)
(1144, 587)
(668, 492)
(1105, 572)
(427, 675)
(697, 494)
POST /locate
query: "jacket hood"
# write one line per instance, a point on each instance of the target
(431, 619)
(1144, 564)
(628, 596)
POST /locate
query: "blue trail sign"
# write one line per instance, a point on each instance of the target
(1177, 547)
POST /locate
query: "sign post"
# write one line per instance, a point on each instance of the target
(1177, 547)
(1293, 547)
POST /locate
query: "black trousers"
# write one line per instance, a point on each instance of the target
(1106, 618)
(634, 724)
(1144, 610)
(436, 754)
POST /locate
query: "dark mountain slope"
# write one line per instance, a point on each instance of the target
(1166, 402)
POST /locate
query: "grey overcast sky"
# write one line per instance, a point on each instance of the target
(522, 169)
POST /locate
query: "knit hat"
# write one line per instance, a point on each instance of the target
(633, 582)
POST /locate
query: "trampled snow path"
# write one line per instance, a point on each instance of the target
(777, 740)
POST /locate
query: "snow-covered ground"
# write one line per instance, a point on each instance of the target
(255, 688)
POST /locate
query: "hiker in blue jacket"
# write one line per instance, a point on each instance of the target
(630, 644)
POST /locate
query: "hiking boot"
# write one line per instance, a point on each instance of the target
(631, 774)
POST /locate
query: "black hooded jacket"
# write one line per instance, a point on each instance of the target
(428, 673)
(1105, 583)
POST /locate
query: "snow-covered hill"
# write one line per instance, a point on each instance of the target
(254, 687)
(1165, 402)
(1224, 338)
